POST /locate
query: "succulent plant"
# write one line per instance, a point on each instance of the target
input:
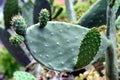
(19, 25)
(89, 47)
(61, 41)
(43, 17)
(117, 23)
(64, 47)
(71, 44)
(111, 56)
(10, 9)
(39, 5)
(95, 16)
(16, 39)
(16, 51)
(70, 10)
(27, 12)
(21, 75)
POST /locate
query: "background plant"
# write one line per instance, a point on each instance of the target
(8, 64)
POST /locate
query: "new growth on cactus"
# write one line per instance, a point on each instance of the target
(19, 25)
(43, 17)
(38, 6)
(89, 47)
(16, 39)
(11, 8)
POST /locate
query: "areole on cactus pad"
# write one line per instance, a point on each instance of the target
(57, 45)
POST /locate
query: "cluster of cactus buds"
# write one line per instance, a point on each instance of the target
(19, 25)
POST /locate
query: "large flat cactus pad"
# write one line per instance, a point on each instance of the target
(56, 46)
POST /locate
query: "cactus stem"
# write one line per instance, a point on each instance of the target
(111, 64)
(111, 57)
(70, 10)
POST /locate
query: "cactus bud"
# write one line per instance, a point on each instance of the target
(16, 39)
(19, 25)
(43, 17)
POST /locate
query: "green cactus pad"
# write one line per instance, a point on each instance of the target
(19, 24)
(20, 75)
(27, 12)
(16, 39)
(117, 23)
(88, 48)
(95, 16)
(10, 9)
(56, 46)
(43, 17)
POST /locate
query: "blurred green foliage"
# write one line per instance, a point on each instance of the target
(80, 8)
(8, 64)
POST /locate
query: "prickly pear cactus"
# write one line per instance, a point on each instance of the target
(16, 39)
(44, 17)
(27, 12)
(19, 25)
(96, 15)
(10, 9)
(56, 46)
(88, 48)
(116, 5)
(20, 75)
(117, 22)
(39, 5)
